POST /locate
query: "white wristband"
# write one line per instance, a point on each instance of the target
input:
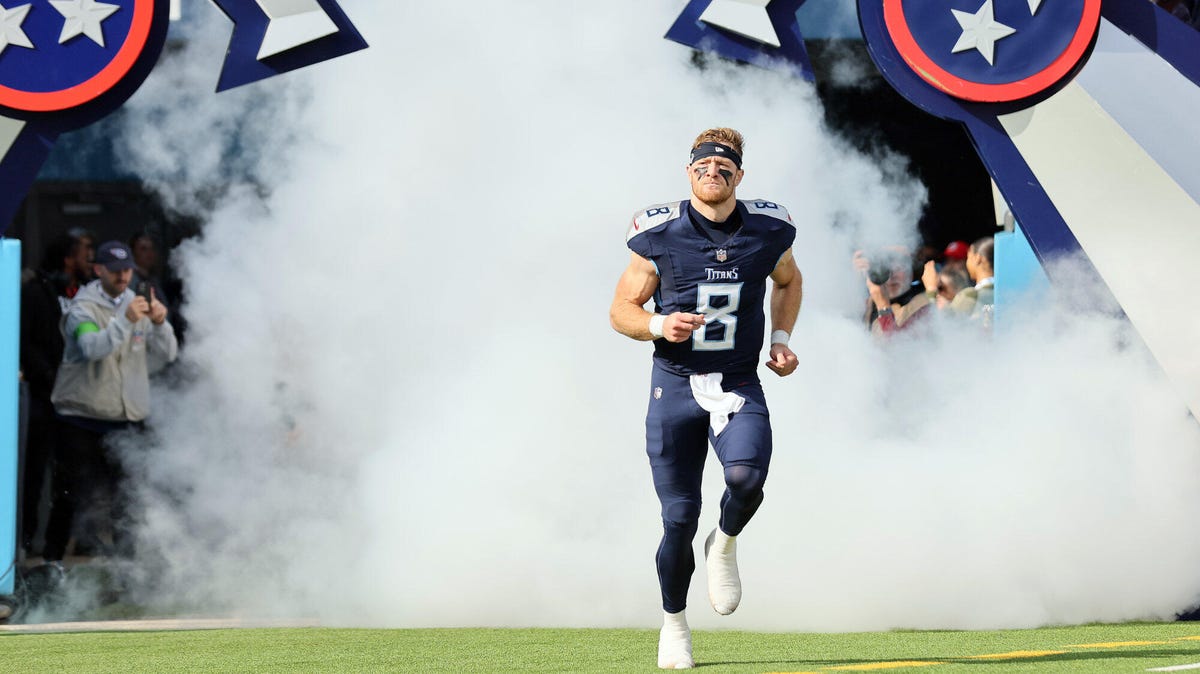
(780, 337)
(656, 324)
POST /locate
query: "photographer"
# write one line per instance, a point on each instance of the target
(114, 339)
(895, 302)
(943, 285)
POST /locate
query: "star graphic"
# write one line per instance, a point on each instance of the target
(1034, 5)
(10, 27)
(980, 31)
(83, 17)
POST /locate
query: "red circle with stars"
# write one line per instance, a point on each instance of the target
(942, 80)
(106, 79)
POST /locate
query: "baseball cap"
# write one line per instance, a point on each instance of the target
(114, 255)
(956, 250)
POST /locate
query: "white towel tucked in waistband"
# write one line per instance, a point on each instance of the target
(706, 389)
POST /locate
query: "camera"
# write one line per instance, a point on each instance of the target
(883, 262)
(880, 272)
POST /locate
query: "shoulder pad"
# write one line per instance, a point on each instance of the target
(652, 216)
(764, 207)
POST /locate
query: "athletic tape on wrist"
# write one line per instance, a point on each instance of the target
(656, 324)
(780, 337)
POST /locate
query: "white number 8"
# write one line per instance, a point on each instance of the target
(726, 315)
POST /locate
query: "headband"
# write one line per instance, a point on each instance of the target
(716, 150)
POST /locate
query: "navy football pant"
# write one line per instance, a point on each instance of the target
(677, 438)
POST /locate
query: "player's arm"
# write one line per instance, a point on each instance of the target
(786, 295)
(628, 315)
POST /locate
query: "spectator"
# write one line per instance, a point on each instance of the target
(145, 266)
(955, 256)
(43, 300)
(148, 268)
(77, 262)
(114, 340)
(923, 255)
(977, 302)
(895, 301)
(942, 286)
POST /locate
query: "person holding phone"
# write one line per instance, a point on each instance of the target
(115, 338)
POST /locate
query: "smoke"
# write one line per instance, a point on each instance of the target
(401, 403)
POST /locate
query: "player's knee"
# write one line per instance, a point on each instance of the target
(745, 481)
(683, 513)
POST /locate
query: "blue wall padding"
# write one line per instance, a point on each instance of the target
(10, 304)
(1018, 271)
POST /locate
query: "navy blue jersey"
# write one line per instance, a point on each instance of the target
(726, 282)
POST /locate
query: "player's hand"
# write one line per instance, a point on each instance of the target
(679, 326)
(783, 362)
(158, 310)
(138, 307)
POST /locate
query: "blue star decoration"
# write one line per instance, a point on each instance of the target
(764, 33)
(271, 37)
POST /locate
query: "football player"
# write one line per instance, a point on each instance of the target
(705, 262)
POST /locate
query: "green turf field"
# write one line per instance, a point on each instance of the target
(1097, 648)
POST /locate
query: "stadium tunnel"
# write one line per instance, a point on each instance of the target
(82, 185)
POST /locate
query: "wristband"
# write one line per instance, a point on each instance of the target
(780, 337)
(656, 325)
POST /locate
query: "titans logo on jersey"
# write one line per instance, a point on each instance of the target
(725, 281)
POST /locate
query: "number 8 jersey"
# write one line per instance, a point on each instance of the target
(726, 282)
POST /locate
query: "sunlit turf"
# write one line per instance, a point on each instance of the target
(1094, 648)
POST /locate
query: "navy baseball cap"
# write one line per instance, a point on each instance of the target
(114, 255)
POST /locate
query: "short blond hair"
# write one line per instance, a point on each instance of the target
(722, 135)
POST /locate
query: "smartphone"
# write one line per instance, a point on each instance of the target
(143, 290)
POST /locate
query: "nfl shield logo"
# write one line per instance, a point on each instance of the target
(722, 255)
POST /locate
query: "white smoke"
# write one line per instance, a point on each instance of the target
(403, 404)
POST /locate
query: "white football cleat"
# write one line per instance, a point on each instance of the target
(675, 643)
(720, 560)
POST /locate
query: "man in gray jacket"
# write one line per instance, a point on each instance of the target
(115, 339)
